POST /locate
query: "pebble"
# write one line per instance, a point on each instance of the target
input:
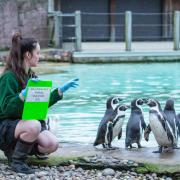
(108, 172)
(72, 172)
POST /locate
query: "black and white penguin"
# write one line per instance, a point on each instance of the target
(119, 120)
(170, 113)
(105, 129)
(136, 124)
(160, 126)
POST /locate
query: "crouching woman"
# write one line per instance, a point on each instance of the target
(20, 138)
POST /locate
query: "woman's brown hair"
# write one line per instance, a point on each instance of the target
(15, 61)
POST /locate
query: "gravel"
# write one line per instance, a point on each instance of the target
(72, 173)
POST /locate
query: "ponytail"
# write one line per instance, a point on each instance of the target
(15, 61)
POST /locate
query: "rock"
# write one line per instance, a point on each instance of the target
(42, 173)
(108, 172)
(79, 169)
(133, 173)
(118, 175)
(86, 159)
(154, 175)
(168, 178)
(72, 166)
(61, 169)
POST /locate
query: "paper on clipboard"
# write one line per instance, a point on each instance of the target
(37, 100)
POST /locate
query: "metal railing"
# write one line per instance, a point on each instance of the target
(129, 28)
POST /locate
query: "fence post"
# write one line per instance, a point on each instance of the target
(78, 35)
(176, 29)
(128, 30)
(50, 6)
(58, 29)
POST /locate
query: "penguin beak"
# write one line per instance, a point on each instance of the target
(148, 102)
(145, 100)
(119, 99)
(128, 106)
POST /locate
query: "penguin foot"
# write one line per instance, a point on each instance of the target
(176, 147)
(112, 148)
(139, 147)
(130, 147)
(160, 150)
(157, 151)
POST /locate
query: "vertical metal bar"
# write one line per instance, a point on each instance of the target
(60, 30)
(78, 31)
(128, 30)
(112, 21)
(57, 30)
(176, 29)
(50, 6)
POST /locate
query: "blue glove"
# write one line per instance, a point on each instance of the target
(24, 91)
(70, 84)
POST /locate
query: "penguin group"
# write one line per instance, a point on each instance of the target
(164, 124)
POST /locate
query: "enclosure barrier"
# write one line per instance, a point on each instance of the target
(128, 26)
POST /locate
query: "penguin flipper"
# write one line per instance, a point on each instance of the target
(143, 124)
(147, 132)
(169, 133)
(178, 125)
(110, 133)
(120, 134)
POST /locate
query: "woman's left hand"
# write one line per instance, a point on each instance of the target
(70, 84)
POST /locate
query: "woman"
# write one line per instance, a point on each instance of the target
(20, 138)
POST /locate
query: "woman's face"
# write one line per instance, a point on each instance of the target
(33, 57)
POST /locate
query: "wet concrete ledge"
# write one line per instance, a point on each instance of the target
(139, 160)
(125, 57)
(103, 56)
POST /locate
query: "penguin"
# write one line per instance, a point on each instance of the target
(118, 121)
(170, 113)
(108, 128)
(161, 128)
(135, 124)
(105, 129)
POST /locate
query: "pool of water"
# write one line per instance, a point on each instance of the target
(75, 119)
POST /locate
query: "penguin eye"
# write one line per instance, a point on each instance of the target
(115, 101)
(140, 101)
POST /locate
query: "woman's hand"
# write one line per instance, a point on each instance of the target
(24, 91)
(70, 84)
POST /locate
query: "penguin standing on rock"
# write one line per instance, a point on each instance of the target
(135, 124)
(170, 113)
(161, 128)
(105, 129)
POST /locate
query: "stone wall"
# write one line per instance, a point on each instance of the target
(29, 17)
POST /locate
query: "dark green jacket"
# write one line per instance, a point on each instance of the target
(11, 106)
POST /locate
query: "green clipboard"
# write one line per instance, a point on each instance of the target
(37, 100)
